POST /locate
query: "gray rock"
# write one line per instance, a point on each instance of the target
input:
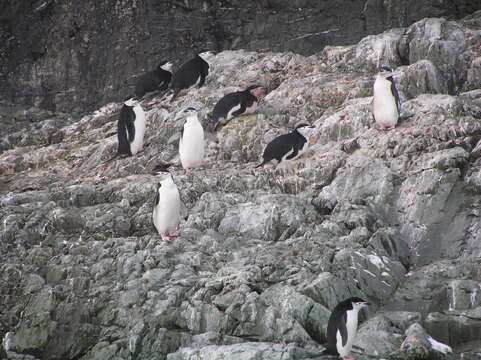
(245, 351)
(262, 256)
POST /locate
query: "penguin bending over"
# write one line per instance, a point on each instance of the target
(157, 79)
(342, 327)
(386, 103)
(166, 212)
(130, 128)
(237, 103)
(288, 146)
(190, 73)
(191, 143)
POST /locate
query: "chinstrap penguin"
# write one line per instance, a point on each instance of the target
(288, 146)
(191, 142)
(190, 73)
(130, 128)
(342, 326)
(166, 212)
(237, 103)
(386, 103)
(157, 79)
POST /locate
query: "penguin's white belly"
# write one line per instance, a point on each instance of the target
(138, 143)
(252, 108)
(231, 111)
(191, 147)
(351, 326)
(166, 214)
(384, 106)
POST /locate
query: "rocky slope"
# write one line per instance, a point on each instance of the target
(74, 56)
(263, 257)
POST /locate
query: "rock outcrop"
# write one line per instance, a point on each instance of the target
(74, 56)
(263, 256)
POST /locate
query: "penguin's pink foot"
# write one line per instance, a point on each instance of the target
(348, 358)
(175, 234)
(166, 238)
(385, 128)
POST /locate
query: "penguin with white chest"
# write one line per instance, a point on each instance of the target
(166, 212)
(191, 73)
(236, 104)
(157, 79)
(191, 143)
(130, 128)
(386, 103)
(288, 147)
(342, 327)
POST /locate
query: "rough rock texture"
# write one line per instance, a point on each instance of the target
(74, 56)
(263, 256)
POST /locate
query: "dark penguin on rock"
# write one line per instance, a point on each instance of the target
(191, 73)
(342, 327)
(386, 103)
(237, 103)
(130, 128)
(288, 147)
(157, 79)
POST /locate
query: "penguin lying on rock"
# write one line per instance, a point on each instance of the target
(235, 104)
(157, 79)
(288, 147)
(192, 72)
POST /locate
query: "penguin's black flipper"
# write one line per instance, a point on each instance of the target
(127, 119)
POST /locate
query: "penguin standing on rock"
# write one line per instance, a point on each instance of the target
(131, 128)
(157, 79)
(237, 103)
(191, 73)
(288, 147)
(166, 212)
(386, 103)
(191, 143)
(342, 327)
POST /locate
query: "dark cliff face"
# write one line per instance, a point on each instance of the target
(73, 56)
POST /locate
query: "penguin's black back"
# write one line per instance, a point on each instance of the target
(394, 92)
(224, 105)
(189, 72)
(282, 145)
(157, 79)
(337, 322)
(125, 130)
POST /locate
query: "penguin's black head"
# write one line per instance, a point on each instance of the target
(385, 68)
(131, 102)
(256, 90)
(205, 54)
(357, 303)
(302, 125)
(252, 87)
(166, 65)
(304, 129)
(190, 111)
